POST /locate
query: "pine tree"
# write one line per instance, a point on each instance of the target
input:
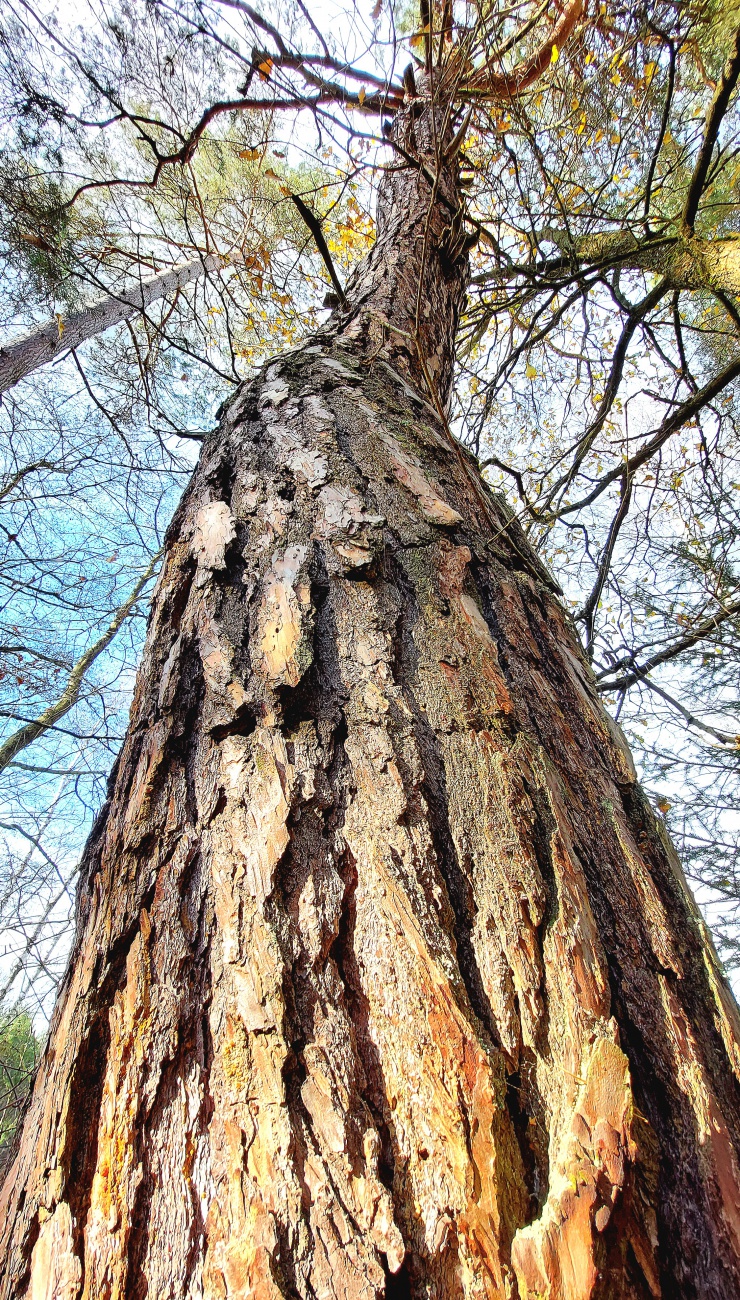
(386, 980)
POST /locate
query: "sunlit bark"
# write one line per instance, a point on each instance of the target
(684, 262)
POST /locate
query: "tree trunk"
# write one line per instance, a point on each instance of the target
(41, 346)
(386, 981)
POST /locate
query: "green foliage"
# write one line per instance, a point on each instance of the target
(19, 1051)
(37, 230)
(716, 24)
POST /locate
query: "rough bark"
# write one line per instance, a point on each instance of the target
(41, 346)
(386, 980)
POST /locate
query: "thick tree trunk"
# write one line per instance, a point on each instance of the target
(386, 981)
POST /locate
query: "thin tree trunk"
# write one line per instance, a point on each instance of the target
(41, 346)
(386, 980)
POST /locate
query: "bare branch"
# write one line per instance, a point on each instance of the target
(51, 715)
(676, 420)
(586, 615)
(314, 226)
(687, 642)
(715, 115)
(724, 737)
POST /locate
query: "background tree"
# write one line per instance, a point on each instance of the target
(18, 1054)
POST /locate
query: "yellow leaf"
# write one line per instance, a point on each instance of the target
(530, 371)
(417, 39)
(664, 805)
(250, 154)
(555, 54)
(60, 323)
(265, 68)
(361, 95)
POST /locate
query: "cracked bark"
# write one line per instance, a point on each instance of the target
(386, 981)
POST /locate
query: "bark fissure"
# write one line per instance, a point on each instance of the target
(433, 788)
(79, 1159)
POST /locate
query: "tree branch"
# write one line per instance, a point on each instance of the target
(13, 482)
(314, 226)
(32, 730)
(684, 262)
(663, 127)
(687, 642)
(724, 737)
(508, 85)
(672, 423)
(637, 314)
(715, 115)
(586, 615)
